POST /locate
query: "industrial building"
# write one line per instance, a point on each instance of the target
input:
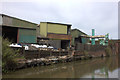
(17, 30)
(77, 37)
(57, 34)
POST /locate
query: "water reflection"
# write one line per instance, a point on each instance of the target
(95, 68)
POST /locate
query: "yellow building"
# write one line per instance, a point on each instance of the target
(57, 32)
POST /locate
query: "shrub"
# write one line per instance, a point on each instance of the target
(86, 54)
(108, 51)
(8, 56)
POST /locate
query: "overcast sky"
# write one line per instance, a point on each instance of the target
(101, 16)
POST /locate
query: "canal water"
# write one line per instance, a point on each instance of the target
(93, 68)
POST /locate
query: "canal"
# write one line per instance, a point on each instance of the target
(93, 68)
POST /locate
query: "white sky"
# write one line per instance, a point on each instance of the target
(82, 14)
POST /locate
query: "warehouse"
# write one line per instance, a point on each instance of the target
(77, 37)
(18, 31)
(58, 34)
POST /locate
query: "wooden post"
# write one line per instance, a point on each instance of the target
(39, 53)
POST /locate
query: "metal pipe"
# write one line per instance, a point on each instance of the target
(93, 34)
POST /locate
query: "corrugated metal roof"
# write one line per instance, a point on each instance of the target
(78, 30)
(57, 23)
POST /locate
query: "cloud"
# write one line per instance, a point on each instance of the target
(102, 16)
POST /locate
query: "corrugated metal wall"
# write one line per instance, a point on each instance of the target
(1, 20)
(43, 29)
(7, 21)
(52, 28)
(15, 22)
(59, 36)
(0, 25)
(27, 35)
(24, 24)
(76, 33)
(26, 30)
(84, 40)
(57, 28)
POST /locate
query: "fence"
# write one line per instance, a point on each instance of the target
(29, 54)
(87, 47)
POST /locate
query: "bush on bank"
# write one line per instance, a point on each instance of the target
(87, 56)
(108, 51)
(8, 56)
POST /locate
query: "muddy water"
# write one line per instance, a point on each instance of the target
(94, 68)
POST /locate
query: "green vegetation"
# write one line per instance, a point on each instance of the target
(108, 51)
(111, 44)
(9, 56)
(86, 54)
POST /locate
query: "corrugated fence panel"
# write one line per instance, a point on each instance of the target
(27, 36)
